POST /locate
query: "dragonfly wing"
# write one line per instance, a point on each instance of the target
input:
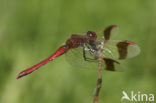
(112, 65)
(117, 49)
(111, 32)
(75, 58)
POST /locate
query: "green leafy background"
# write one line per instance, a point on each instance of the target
(31, 30)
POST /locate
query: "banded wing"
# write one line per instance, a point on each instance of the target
(75, 58)
(112, 65)
(117, 49)
(109, 33)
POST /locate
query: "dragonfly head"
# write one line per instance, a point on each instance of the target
(91, 35)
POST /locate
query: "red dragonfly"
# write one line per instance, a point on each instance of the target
(82, 50)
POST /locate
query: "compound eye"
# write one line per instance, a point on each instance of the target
(90, 33)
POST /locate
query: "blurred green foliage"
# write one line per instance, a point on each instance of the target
(31, 30)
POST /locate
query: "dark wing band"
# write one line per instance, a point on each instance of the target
(108, 32)
(110, 64)
(123, 49)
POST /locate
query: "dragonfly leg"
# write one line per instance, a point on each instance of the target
(91, 51)
(87, 59)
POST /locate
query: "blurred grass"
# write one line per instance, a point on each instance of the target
(31, 30)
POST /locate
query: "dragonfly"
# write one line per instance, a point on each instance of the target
(83, 50)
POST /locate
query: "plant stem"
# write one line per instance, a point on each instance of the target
(99, 80)
(99, 84)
